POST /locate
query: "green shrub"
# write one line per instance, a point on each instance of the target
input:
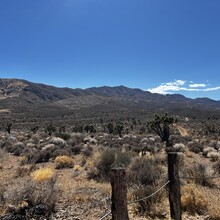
(144, 171)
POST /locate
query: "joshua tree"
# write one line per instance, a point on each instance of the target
(110, 128)
(50, 129)
(161, 126)
(119, 128)
(7, 127)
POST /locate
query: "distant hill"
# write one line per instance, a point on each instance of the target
(20, 95)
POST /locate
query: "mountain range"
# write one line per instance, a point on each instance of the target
(18, 95)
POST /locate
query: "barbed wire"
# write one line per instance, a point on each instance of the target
(138, 200)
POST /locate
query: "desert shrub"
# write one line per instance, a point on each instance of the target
(15, 149)
(180, 139)
(50, 129)
(122, 159)
(90, 140)
(50, 147)
(6, 144)
(20, 190)
(216, 167)
(146, 206)
(144, 171)
(214, 156)
(87, 151)
(58, 142)
(64, 162)
(64, 136)
(193, 200)
(217, 145)
(43, 174)
(179, 147)
(34, 128)
(195, 147)
(93, 173)
(76, 139)
(59, 152)
(18, 149)
(30, 199)
(37, 156)
(198, 174)
(207, 150)
(105, 162)
(76, 149)
(25, 170)
(212, 144)
(108, 159)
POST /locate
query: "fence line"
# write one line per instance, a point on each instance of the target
(107, 214)
(135, 201)
(138, 200)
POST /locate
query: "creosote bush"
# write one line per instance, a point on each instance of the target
(64, 162)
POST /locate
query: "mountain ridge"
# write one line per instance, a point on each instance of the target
(21, 94)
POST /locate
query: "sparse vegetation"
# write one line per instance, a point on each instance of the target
(86, 152)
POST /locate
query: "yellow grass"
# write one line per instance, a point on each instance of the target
(42, 174)
(63, 162)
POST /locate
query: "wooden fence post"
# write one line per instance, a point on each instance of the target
(119, 194)
(174, 186)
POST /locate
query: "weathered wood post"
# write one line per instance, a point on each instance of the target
(174, 186)
(119, 194)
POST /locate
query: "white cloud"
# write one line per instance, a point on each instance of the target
(196, 85)
(170, 87)
(181, 85)
(211, 89)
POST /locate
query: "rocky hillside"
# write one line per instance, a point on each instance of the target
(22, 95)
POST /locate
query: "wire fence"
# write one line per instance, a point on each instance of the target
(138, 200)
(163, 186)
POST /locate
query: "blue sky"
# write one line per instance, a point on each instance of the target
(164, 46)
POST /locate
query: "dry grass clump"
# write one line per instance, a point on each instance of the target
(27, 198)
(193, 200)
(43, 174)
(64, 162)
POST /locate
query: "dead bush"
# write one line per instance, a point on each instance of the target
(30, 198)
(193, 200)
